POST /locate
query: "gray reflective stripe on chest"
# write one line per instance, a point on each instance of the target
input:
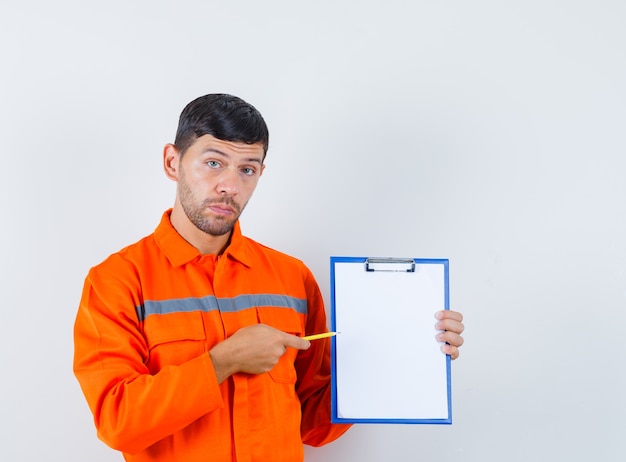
(225, 305)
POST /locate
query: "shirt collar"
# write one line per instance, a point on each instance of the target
(178, 251)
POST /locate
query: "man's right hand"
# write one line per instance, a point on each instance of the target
(253, 349)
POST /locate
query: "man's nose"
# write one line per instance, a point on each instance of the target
(228, 182)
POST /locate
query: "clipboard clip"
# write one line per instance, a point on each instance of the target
(403, 265)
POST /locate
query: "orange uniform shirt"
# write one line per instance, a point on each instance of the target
(148, 316)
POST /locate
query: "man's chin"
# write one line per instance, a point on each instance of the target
(217, 228)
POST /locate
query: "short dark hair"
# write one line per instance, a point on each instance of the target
(223, 116)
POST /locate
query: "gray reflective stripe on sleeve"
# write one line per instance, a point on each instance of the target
(229, 305)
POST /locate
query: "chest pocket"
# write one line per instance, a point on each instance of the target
(289, 321)
(174, 338)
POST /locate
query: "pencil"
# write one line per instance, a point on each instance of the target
(318, 336)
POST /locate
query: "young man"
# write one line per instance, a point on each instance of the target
(188, 343)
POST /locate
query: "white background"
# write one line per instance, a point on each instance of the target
(491, 133)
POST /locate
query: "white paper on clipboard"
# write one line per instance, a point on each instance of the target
(387, 366)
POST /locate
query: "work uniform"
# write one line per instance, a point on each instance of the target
(148, 316)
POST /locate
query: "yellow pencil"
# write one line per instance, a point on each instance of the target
(318, 336)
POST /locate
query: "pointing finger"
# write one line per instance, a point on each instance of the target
(296, 342)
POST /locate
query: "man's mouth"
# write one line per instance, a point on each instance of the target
(222, 209)
(225, 207)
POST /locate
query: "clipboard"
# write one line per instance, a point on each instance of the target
(387, 366)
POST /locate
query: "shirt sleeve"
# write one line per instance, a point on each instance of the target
(313, 369)
(133, 408)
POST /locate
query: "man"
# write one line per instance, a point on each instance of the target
(188, 343)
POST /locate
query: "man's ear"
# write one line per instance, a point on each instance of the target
(171, 161)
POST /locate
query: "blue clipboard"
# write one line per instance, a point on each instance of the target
(387, 366)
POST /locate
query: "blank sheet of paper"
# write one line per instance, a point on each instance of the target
(387, 364)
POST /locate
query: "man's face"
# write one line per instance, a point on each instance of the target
(215, 181)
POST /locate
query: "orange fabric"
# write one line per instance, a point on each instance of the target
(147, 318)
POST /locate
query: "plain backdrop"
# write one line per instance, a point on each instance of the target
(490, 133)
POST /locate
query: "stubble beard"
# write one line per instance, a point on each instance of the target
(214, 226)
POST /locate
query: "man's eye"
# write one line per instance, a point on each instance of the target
(247, 171)
(213, 163)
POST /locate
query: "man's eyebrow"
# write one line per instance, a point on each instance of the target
(215, 151)
(254, 159)
(223, 154)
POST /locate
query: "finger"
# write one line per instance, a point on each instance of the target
(450, 350)
(296, 342)
(450, 325)
(450, 338)
(449, 314)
